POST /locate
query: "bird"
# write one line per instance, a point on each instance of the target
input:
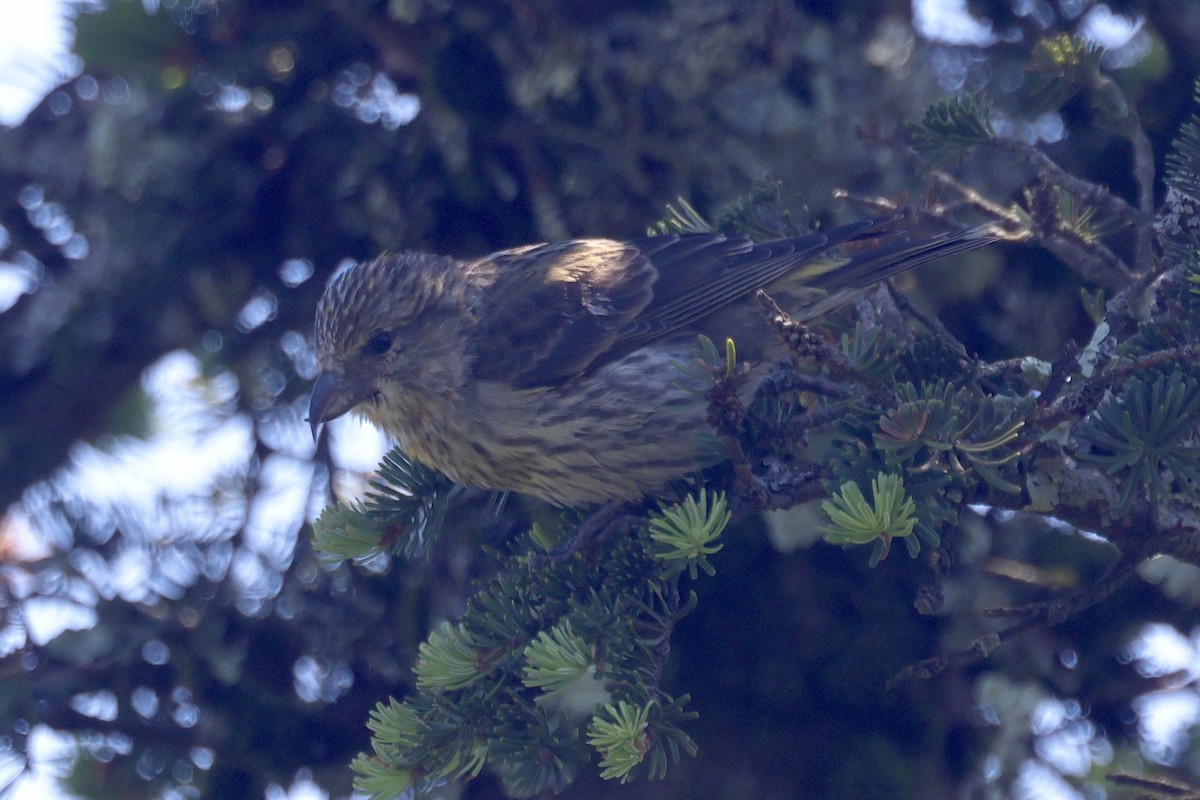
(552, 370)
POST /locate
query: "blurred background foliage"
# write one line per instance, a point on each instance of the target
(170, 213)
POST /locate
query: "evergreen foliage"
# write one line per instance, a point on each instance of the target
(562, 649)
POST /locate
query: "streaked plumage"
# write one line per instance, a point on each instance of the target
(549, 369)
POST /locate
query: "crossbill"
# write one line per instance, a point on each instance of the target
(552, 370)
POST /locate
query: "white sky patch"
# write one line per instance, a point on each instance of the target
(1164, 720)
(1102, 27)
(35, 54)
(14, 282)
(277, 509)
(1161, 650)
(1038, 781)
(1124, 40)
(51, 754)
(19, 539)
(178, 487)
(47, 617)
(175, 465)
(303, 788)
(356, 444)
(949, 22)
(1166, 717)
(1066, 740)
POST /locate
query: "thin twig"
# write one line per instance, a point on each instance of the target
(995, 369)
(930, 322)
(1143, 165)
(1034, 616)
(1082, 402)
(1089, 257)
(1125, 307)
(973, 197)
(1057, 610)
(1085, 191)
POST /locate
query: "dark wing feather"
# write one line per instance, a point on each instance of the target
(700, 273)
(555, 311)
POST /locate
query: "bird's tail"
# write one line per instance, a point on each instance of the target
(866, 258)
(877, 255)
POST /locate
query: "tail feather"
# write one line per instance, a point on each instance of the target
(877, 262)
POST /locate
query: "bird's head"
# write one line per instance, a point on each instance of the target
(388, 330)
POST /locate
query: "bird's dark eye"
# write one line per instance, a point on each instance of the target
(380, 343)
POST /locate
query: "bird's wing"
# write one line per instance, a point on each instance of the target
(696, 277)
(700, 273)
(554, 311)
